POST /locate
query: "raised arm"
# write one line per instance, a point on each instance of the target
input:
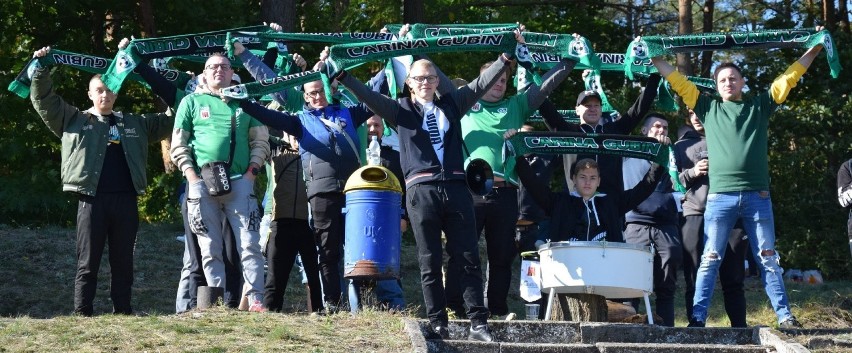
(288, 98)
(640, 107)
(466, 96)
(783, 84)
(683, 87)
(553, 120)
(52, 109)
(283, 121)
(380, 105)
(553, 78)
(630, 199)
(540, 192)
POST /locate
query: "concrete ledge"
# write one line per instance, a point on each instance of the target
(677, 348)
(632, 333)
(769, 338)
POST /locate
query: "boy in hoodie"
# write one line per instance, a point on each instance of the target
(585, 214)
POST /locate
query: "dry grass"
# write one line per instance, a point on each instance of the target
(37, 266)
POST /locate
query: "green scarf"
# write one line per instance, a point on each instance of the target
(292, 38)
(163, 47)
(270, 85)
(423, 31)
(537, 142)
(572, 117)
(344, 56)
(652, 46)
(92, 64)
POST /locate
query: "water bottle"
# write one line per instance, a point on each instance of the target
(374, 152)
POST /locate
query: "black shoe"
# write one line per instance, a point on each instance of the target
(695, 323)
(791, 323)
(480, 333)
(438, 331)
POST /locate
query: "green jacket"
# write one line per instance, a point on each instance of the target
(84, 137)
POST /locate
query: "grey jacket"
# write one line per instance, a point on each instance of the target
(690, 149)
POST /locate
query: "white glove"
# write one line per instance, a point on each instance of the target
(844, 196)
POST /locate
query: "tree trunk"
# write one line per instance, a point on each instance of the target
(684, 60)
(282, 12)
(149, 29)
(707, 21)
(828, 14)
(413, 11)
(339, 12)
(98, 32)
(843, 12)
(579, 307)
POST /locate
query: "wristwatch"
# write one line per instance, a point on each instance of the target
(254, 171)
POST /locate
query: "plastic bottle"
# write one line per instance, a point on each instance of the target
(374, 152)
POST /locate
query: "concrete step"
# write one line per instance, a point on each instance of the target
(679, 348)
(556, 337)
(453, 346)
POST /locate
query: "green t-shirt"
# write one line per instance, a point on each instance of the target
(737, 141)
(208, 119)
(483, 129)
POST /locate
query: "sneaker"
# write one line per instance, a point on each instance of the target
(257, 307)
(438, 331)
(695, 323)
(480, 333)
(790, 323)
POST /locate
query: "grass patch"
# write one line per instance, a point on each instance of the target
(38, 266)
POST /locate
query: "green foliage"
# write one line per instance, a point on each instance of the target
(809, 136)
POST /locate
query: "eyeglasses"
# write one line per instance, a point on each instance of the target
(427, 79)
(213, 67)
(314, 94)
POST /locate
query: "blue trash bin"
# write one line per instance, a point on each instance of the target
(373, 210)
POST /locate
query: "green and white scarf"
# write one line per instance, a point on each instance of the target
(282, 39)
(538, 142)
(270, 85)
(163, 47)
(652, 46)
(88, 63)
(423, 31)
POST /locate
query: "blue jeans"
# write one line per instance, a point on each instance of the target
(723, 211)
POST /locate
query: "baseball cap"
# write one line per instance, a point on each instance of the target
(236, 78)
(586, 94)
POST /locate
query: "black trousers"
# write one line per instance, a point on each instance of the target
(731, 271)
(105, 219)
(287, 237)
(496, 214)
(667, 258)
(328, 224)
(446, 206)
(233, 272)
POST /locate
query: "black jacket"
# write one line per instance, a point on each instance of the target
(572, 218)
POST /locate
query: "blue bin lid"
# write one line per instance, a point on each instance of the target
(373, 177)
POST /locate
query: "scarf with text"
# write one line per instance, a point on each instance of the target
(283, 39)
(537, 142)
(163, 47)
(652, 46)
(423, 31)
(87, 63)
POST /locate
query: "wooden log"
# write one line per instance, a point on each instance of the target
(579, 307)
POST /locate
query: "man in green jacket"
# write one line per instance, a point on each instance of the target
(104, 156)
